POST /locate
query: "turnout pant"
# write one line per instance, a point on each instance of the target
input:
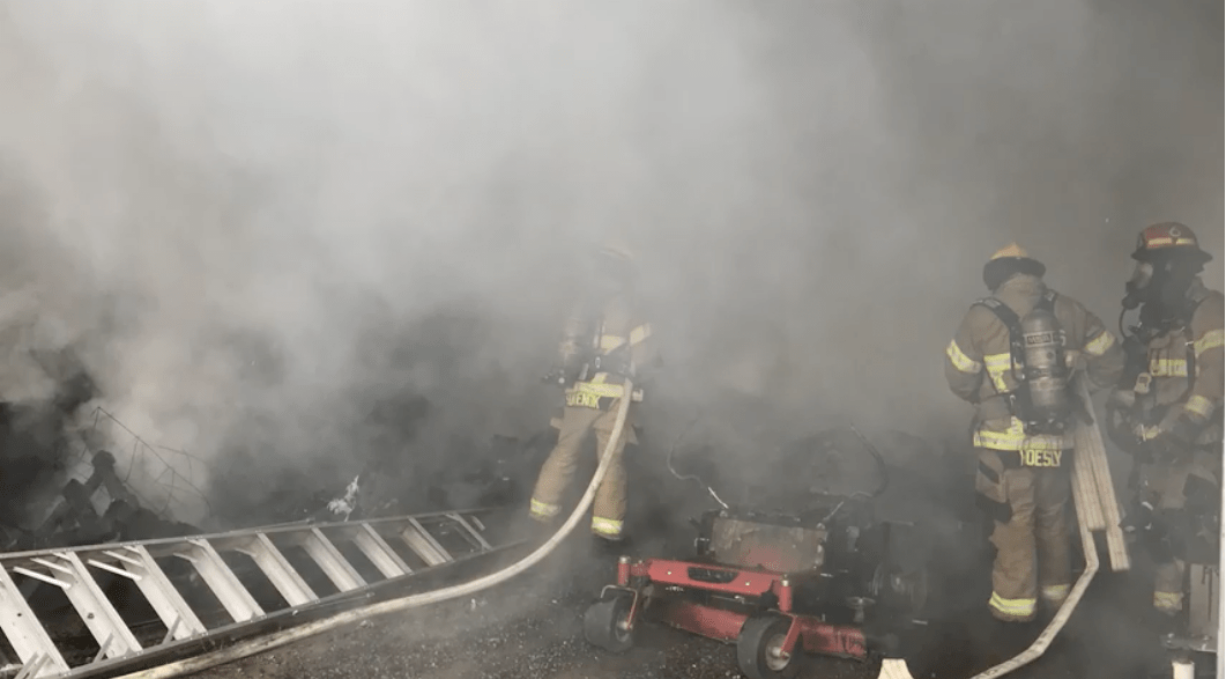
(1163, 485)
(609, 507)
(1029, 508)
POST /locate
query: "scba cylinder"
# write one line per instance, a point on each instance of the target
(1046, 372)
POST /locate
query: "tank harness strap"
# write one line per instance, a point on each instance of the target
(1190, 346)
(1007, 316)
(1011, 322)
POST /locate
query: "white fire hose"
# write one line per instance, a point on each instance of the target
(261, 644)
(896, 668)
(1091, 498)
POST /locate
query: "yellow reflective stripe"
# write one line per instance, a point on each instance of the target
(1014, 607)
(611, 342)
(960, 360)
(998, 362)
(1163, 241)
(1168, 367)
(1014, 438)
(1147, 433)
(640, 333)
(1055, 592)
(588, 394)
(1210, 340)
(543, 509)
(998, 440)
(1168, 601)
(1199, 405)
(603, 526)
(998, 365)
(599, 389)
(1100, 344)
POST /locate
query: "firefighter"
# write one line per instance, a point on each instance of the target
(1167, 410)
(1013, 358)
(605, 340)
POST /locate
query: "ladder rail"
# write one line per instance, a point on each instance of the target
(74, 570)
(290, 617)
(269, 530)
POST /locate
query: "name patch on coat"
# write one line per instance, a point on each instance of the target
(1041, 458)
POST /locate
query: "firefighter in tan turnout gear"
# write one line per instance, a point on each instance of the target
(605, 340)
(1013, 357)
(1167, 411)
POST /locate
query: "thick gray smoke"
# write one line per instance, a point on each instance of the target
(257, 219)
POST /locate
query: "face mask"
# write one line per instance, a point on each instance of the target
(1137, 288)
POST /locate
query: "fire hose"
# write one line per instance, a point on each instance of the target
(1094, 497)
(261, 644)
(1090, 497)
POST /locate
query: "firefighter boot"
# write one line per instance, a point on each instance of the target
(610, 548)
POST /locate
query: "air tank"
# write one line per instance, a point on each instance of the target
(1046, 372)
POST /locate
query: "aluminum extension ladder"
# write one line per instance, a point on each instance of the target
(299, 560)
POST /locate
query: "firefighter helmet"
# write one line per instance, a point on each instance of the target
(1171, 237)
(1011, 250)
(1007, 261)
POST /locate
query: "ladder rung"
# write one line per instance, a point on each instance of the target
(41, 577)
(113, 569)
(53, 566)
(424, 544)
(275, 566)
(330, 560)
(120, 556)
(237, 601)
(170, 631)
(477, 539)
(76, 571)
(170, 606)
(34, 668)
(96, 610)
(25, 632)
(103, 648)
(379, 552)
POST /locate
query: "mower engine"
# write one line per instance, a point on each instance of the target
(848, 566)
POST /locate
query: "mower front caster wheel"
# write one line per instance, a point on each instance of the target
(606, 624)
(759, 648)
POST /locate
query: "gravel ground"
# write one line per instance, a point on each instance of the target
(531, 629)
(527, 629)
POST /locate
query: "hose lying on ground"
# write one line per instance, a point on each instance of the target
(261, 644)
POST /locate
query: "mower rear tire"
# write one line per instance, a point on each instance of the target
(605, 624)
(759, 651)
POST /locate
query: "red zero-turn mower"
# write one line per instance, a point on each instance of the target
(830, 580)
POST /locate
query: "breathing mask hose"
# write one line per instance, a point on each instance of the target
(261, 644)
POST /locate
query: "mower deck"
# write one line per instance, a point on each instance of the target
(753, 608)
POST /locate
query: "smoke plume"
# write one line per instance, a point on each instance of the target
(258, 224)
